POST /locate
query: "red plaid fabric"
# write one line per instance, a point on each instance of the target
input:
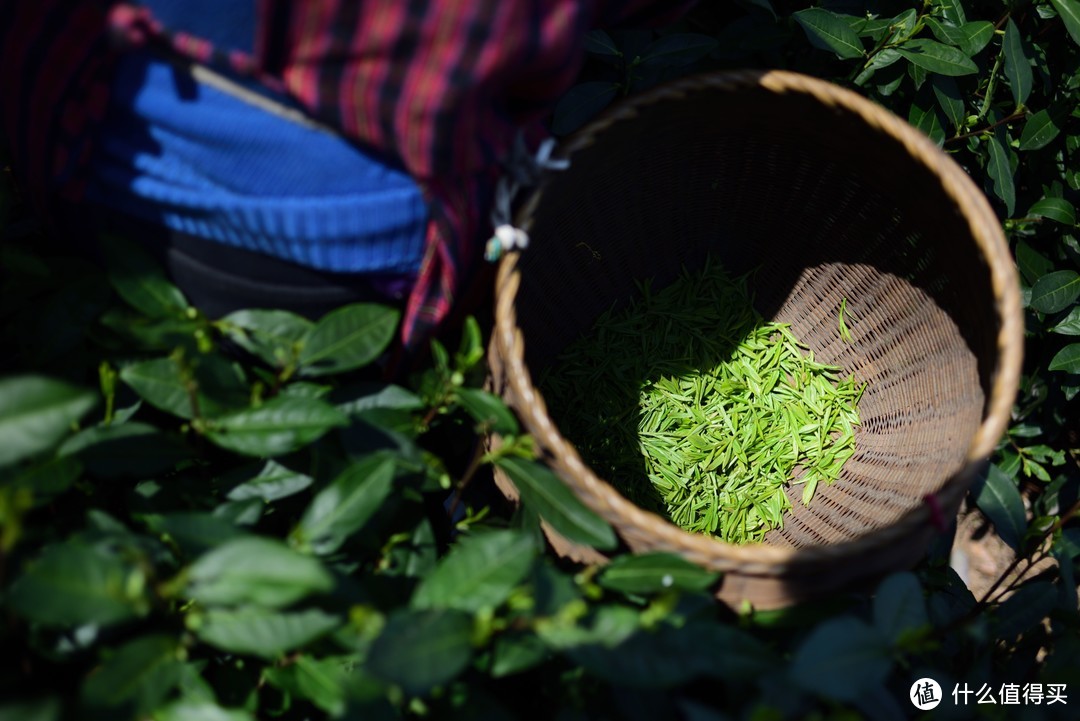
(441, 86)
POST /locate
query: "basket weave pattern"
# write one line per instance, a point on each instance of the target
(826, 198)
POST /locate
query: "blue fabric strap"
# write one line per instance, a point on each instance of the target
(198, 159)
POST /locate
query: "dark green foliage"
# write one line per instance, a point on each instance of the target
(234, 520)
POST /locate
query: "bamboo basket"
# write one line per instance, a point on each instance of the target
(829, 197)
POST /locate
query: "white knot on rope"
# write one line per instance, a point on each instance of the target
(523, 170)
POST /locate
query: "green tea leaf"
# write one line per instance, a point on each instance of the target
(275, 336)
(1067, 359)
(1055, 291)
(1000, 500)
(840, 658)
(937, 58)
(975, 36)
(279, 426)
(48, 479)
(348, 338)
(129, 450)
(949, 100)
(200, 710)
(1032, 264)
(139, 280)
(271, 483)
(344, 506)
(549, 496)
(1025, 609)
(1069, 12)
(354, 400)
(194, 532)
(46, 709)
(926, 119)
(1070, 324)
(160, 383)
(36, 412)
(899, 606)
(262, 632)
(600, 43)
(480, 572)
(419, 650)
(1038, 131)
(677, 50)
(322, 681)
(653, 573)
(1057, 209)
(72, 584)
(255, 570)
(580, 104)
(488, 410)
(827, 31)
(1000, 171)
(137, 677)
(1017, 64)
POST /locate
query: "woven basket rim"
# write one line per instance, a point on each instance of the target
(760, 558)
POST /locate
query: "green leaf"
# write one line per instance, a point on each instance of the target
(72, 584)
(1070, 324)
(193, 532)
(200, 710)
(354, 400)
(323, 681)
(975, 36)
(137, 677)
(1069, 12)
(899, 606)
(262, 632)
(828, 31)
(653, 573)
(279, 426)
(36, 412)
(160, 383)
(46, 709)
(348, 338)
(516, 652)
(1000, 171)
(600, 43)
(1025, 609)
(1000, 500)
(344, 506)
(275, 336)
(926, 119)
(1067, 359)
(139, 280)
(580, 104)
(677, 50)
(1055, 291)
(488, 410)
(673, 656)
(840, 658)
(1057, 209)
(129, 450)
(949, 99)
(480, 572)
(272, 483)
(1032, 264)
(549, 496)
(256, 570)
(1017, 64)
(937, 58)
(419, 650)
(48, 479)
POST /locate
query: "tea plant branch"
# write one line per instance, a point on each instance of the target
(991, 85)
(1018, 115)
(477, 460)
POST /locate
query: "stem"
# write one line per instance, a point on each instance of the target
(1015, 116)
(470, 471)
(991, 86)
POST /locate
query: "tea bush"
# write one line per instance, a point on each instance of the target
(241, 519)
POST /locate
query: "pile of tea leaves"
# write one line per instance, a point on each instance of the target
(694, 407)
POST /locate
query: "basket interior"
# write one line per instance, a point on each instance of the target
(822, 207)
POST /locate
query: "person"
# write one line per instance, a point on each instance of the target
(296, 155)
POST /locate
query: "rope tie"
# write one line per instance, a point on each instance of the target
(523, 170)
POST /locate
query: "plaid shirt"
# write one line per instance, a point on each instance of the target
(441, 86)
